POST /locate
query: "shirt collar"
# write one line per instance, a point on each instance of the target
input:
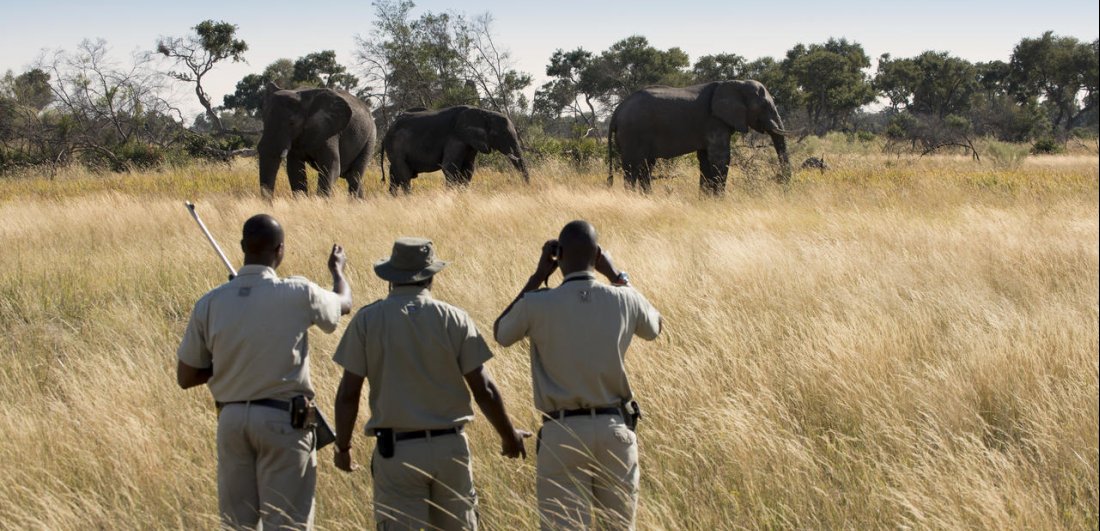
(579, 274)
(407, 291)
(257, 269)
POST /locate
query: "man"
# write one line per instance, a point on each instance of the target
(416, 352)
(587, 452)
(248, 341)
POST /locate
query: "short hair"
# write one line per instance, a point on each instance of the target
(579, 240)
(261, 234)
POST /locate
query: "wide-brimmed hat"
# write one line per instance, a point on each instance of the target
(412, 260)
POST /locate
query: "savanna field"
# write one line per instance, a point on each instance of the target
(894, 343)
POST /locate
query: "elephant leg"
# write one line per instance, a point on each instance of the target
(645, 177)
(454, 159)
(631, 170)
(328, 168)
(716, 164)
(296, 174)
(711, 180)
(400, 175)
(469, 164)
(354, 175)
(721, 164)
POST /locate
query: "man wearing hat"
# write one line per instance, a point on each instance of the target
(419, 355)
(248, 341)
(580, 330)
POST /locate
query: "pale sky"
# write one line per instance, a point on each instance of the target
(978, 30)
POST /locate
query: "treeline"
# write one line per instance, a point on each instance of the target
(84, 107)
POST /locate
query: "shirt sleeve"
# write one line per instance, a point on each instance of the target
(324, 308)
(513, 325)
(647, 317)
(473, 352)
(193, 350)
(351, 353)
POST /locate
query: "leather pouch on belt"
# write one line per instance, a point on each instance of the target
(384, 437)
(301, 413)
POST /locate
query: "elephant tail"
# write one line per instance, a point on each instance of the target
(382, 163)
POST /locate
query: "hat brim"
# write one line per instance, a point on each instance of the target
(386, 271)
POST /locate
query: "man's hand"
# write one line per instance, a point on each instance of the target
(337, 259)
(512, 447)
(548, 261)
(343, 461)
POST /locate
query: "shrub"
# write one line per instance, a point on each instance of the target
(1047, 146)
(1004, 154)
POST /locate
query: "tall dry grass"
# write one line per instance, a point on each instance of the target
(890, 344)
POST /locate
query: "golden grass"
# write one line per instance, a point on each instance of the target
(890, 344)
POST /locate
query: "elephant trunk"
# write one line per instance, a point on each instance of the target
(271, 152)
(269, 168)
(521, 165)
(780, 143)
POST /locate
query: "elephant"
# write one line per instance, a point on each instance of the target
(330, 130)
(666, 122)
(421, 141)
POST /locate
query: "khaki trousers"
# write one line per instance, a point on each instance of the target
(586, 465)
(267, 470)
(427, 484)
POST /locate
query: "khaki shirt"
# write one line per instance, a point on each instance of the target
(253, 331)
(579, 334)
(413, 350)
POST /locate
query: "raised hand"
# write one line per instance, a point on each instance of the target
(512, 447)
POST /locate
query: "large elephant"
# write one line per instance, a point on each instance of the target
(665, 122)
(330, 130)
(421, 141)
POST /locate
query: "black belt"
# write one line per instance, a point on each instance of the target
(266, 402)
(584, 411)
(421, 434)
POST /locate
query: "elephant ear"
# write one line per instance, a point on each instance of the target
(472, 128)
(728, 104)
(326, 115)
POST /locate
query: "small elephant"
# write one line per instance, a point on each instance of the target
(421, 141)
(666, 122)
(330, 130)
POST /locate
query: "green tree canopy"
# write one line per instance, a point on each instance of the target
(318, 69)
(932, 83)
(211, 43)
(1062, 72)
(831, 81)
(718, 67)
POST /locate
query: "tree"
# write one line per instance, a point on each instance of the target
(320, 69)
(104, 112)
(831, 80)
(718, 67)
(212, 42)
(633, 64)
(249, 92)
(436, 60)
(30, 89)
(932, 83)
(564, 91)
(1060, 71)
(490, 67)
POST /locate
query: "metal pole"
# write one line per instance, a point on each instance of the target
(209, 237)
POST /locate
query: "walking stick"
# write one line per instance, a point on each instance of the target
(209, 237)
